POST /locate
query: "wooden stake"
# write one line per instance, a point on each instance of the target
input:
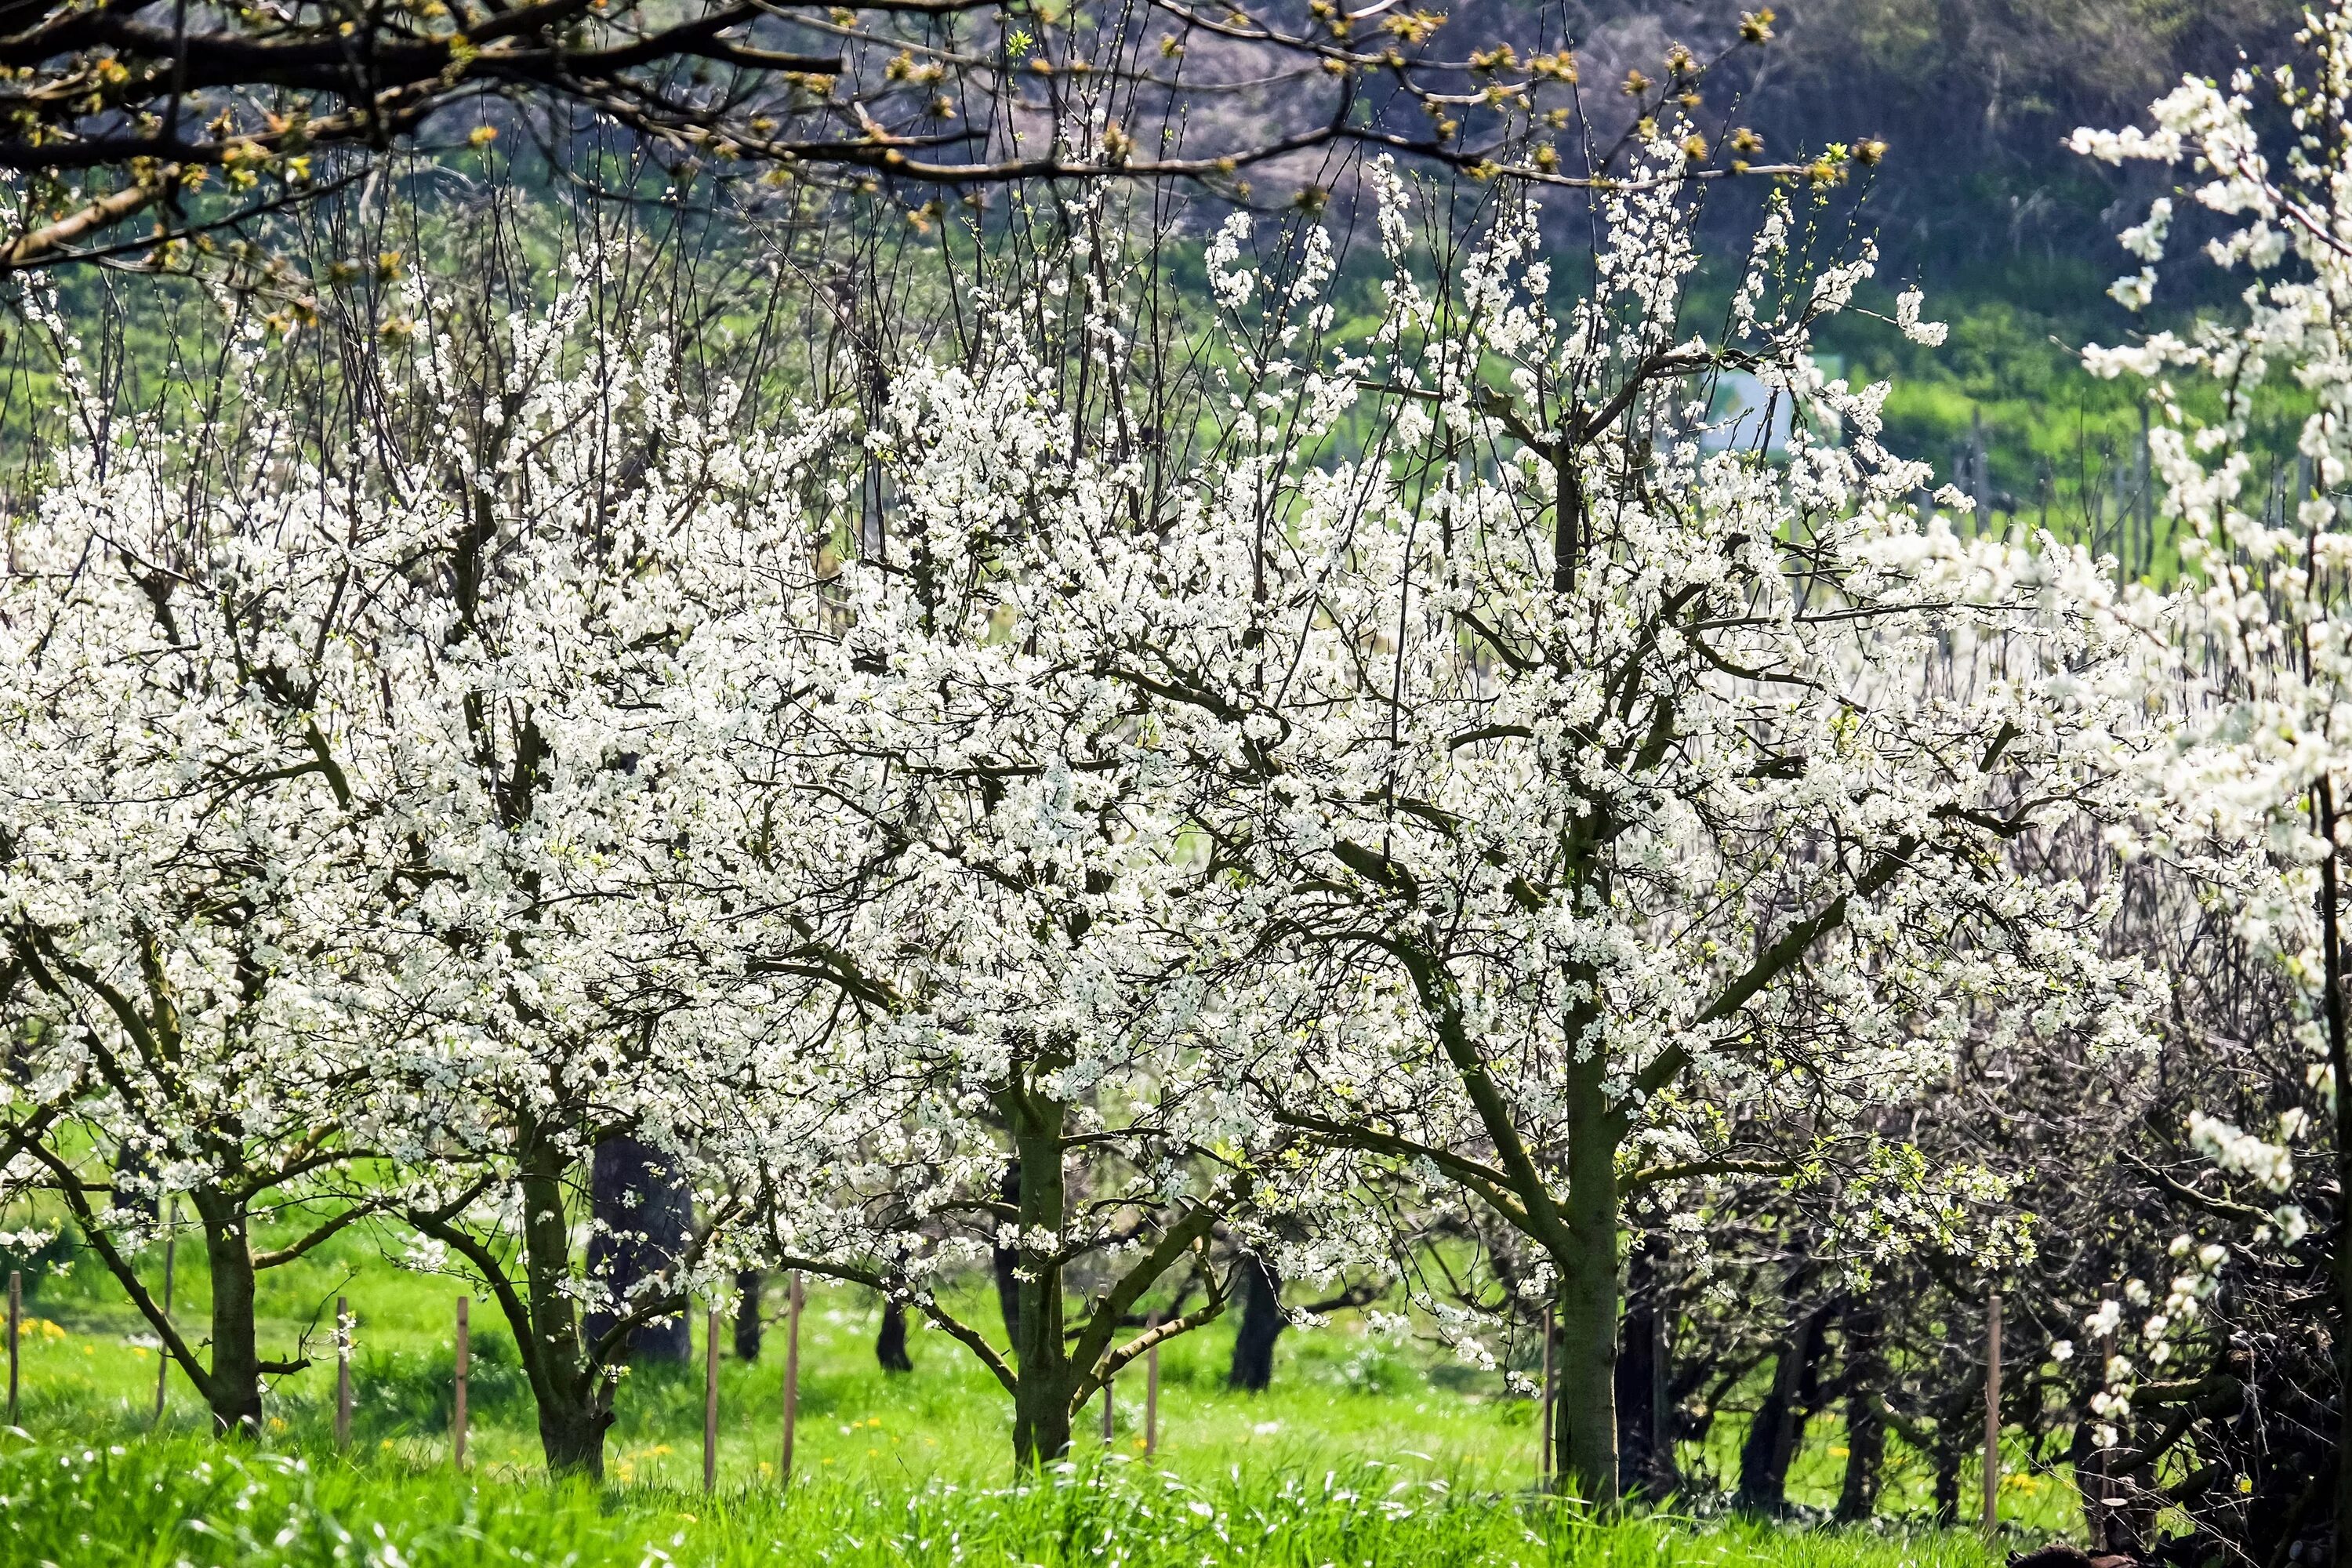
(711, 1403)
(791, 1371)
(458, 1417)
(342, 1373)
(1108, 1427)
(1993, 1415)
(15, 1322)
(1151, 1397)
(171, 1253)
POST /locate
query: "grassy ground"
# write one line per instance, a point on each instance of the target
(188, 1501)
(1393, 1421)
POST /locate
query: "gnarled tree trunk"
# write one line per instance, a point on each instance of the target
(1778, 1430)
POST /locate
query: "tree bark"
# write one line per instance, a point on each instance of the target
(890, 1342)
(1946, 1458)
(566, 1383)
(1041, 1398)
(1006, 1260)
(1778, 1430)
(1645, 1439)
(1261, 1324)
(645, 1214)
(748, 1325)
(1865, 1428)
(233, 1387)
(1585, 1431)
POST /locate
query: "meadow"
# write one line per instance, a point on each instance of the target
(1363, 1451)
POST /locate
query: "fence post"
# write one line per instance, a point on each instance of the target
(1992, 1414)
(15, 1322)
(710, 1402)
(342, 1373)
(458, 1417)
(791, 1371)
(1151, 1395)
(163, 1351)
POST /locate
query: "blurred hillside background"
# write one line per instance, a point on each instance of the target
(1978, 200)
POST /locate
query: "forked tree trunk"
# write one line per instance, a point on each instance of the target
(1778, 1430)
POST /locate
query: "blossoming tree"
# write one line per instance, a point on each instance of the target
(2260, 779)
(1045, 1073)
(562, 661)
(1614, 787)
(186, 886)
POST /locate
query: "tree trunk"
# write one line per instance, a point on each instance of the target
(1041, 1397)
(1778, 1430)
(1261, 1325)
(890, 1342)
(1946, 1458)
(567, 1385)
(645, 1214)
(1865, 1428)
(133, 1187)
(1585, 1432)
(1645, 1439)
(233, 1385)
(748, 1326)
(1006, 1260)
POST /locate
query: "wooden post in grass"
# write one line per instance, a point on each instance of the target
(342, 1373)
(1152, 1394)
(171, 1255)
(457, 1413)
(791, 1371)
(711, 1403)
(15, 1324)
(1108, 1427)
(1993, 1415)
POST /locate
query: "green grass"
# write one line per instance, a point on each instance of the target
(190, 1501)
(1342, 1397)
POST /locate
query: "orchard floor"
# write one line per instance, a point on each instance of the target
(1363, 1452)
(188, 1501)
